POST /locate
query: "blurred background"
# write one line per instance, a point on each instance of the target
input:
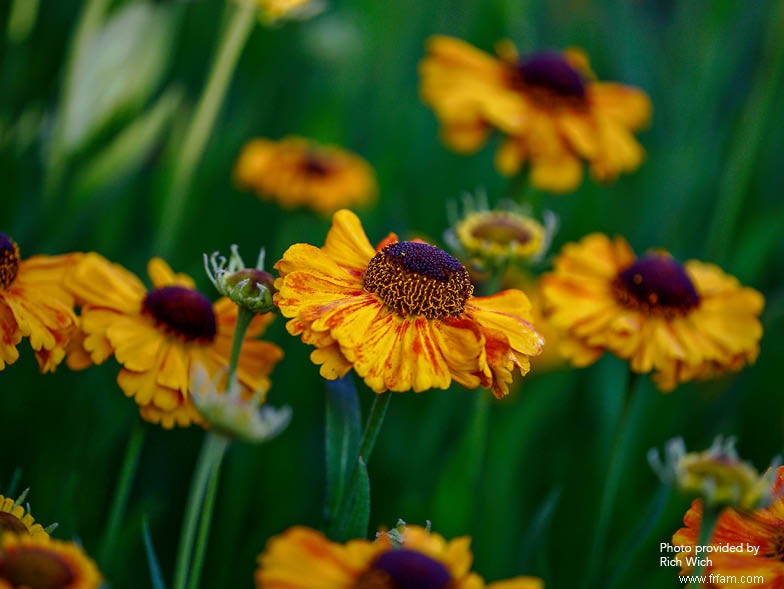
(86, 150)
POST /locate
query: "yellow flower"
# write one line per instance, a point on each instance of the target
(272, 11)
(34, 305)
(551, 111)
(15, 518)
(401, 315)
(158, 336)
(757, 536)
(37, 562)
(297, 172)
(683, 322)
(302, 558)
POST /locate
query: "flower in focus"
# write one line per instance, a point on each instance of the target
(40, 562)
(298, 172)
(302, 558)
(232, 414)
(758, 534)
(274, 11)
(495, 238)
(34, 305)
(16, 519)
(717, 474)
(403, 315)
(682, 321)
(552, 112)
(158, 335)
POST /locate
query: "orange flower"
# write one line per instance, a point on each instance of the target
(402, 315)
(302, 558)
(760, 534)
(551, 111)
(34, 305)
(159, 335)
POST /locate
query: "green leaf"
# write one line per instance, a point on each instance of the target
(152, 559)
(128, 150)
(115, 70)
(356, 525)
(343, 430)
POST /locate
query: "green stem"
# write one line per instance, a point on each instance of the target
(628, 425)
(120, 502)
(204, 525)
(244, 317)
(233, 40)
(710, 516)
(368, 441)
(752, 127)
(209, 460)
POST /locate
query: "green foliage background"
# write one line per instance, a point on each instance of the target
(713, 71)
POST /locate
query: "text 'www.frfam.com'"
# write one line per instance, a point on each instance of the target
(721, 580)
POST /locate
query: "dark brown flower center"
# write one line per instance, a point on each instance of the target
(9, 261)
(182, 311)
(656, 284)
(11, 523)
(549, 71)
(316, 165)
(35, 568)
(418, 279)
(405, 569)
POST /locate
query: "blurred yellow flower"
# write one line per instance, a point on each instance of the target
(34, 305)
(298, 172)
(272, 11)
(402, 315)
(15, 518)
(302, 558)
(682, 321)
(37, 562)
(756, 536)
(552, 112)
(158, 336)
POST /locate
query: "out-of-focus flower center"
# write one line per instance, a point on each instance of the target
(551, 72)
(10, 523)
(182, 311)
(405, 569)
(9, 261)
(418, 279)
(35, 567)
(315, 164)
(656, 284)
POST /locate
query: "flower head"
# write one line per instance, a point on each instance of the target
(34, 305)
(298, 172)
(302, 558)
(682, 321)
(38, 562)
(273, 11)
(158, 335)
(232, 414)
(17, 519)
(757, 538)
(403, 316)
(495, 238)
(717, 474)
(247, 287)
(551, 111)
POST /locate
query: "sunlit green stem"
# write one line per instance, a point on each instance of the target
(754, 123)
(120, 502)
(244, 317)
(206, 468)
(233, 40)
(204, 525)
(368, 441)
(627, 426)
